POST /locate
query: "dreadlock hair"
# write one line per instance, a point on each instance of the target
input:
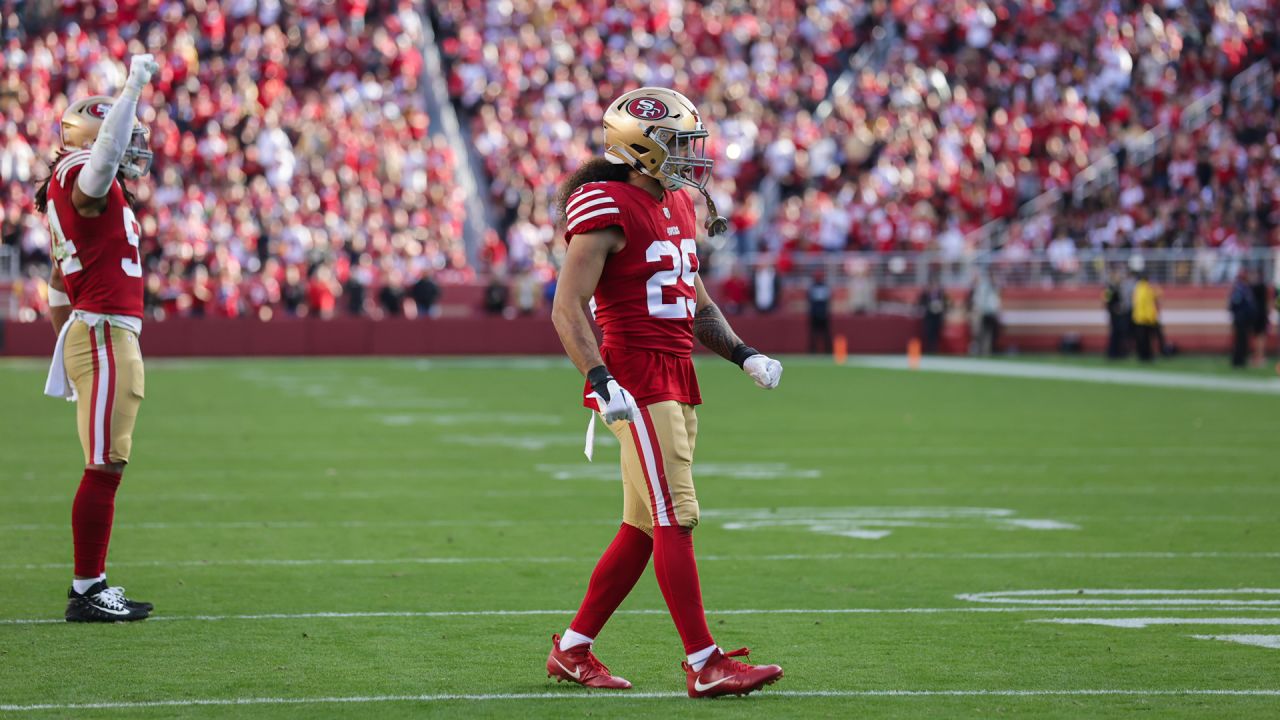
(594, 170)
(42, 192)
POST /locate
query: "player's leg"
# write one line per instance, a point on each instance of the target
(666, 452)
(105, 367)
(672, 430)
(615, 574)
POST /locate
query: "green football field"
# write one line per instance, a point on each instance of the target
(400, 538)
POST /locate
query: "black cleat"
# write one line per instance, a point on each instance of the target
(104, 604)
(139, 604)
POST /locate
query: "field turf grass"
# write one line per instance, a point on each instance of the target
(865, 503)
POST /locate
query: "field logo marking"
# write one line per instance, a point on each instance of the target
(1111, 600)
(874, 523)
(734, 471)
(1263, 641)
(449, 419)
(520, 442)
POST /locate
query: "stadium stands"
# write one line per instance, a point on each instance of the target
(292, 147)
(295, 171)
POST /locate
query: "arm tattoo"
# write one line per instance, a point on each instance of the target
(713, 331)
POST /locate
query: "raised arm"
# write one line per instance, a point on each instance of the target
(90, 193)
(713, 331)
(571, 314)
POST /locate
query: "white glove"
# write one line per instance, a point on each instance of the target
(619, 406)
(766, 371)
(141, 68)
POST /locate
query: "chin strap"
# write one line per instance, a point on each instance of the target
(716, 223)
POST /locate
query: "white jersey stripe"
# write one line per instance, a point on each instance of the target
(100, 401)
(650, 469)
(590, 203)
(596, 213)
(578, 197)
(70, 161)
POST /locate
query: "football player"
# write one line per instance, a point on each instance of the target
(95, 302)
(633, 259)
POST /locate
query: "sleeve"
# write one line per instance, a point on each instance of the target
(109, 147)
(65, 174)
(591, 207)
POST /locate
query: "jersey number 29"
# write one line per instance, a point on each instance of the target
(684, 269)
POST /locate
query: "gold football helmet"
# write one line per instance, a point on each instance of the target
(659, 132)
(82, 121)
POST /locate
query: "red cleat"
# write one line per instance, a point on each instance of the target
(578, 664)
(722, 675)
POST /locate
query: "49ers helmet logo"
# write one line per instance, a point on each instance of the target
(98, 110)
(647, 108)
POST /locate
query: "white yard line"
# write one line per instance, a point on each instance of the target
(1048, 371)
(308, 524)
(1142, 622)
(445, 560)
(662, 612)
(1133, 598)
(624, 696)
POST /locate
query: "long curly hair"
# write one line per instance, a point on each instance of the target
(594, 170)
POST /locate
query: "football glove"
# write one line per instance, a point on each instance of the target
(141, 68)
(766, 371)
(614, 401)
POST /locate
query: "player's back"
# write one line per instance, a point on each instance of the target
(98, 255)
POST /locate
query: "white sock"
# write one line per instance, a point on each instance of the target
(573, 639)
(698, 659)
(81, 586)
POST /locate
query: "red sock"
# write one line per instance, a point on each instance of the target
(91, 516)
(677, 573)
(619, 568)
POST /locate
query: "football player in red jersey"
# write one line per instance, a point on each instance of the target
(95, 301)
(632, 253)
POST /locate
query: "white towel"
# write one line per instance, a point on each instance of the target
(58, 385)
(590, 448)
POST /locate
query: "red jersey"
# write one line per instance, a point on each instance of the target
(646, 299)
(99, 258)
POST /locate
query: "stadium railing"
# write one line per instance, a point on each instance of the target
(9, 261)
(1173, 267)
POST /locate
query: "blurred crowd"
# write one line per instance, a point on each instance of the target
(970, 109)
(293, 171)
(532, 77)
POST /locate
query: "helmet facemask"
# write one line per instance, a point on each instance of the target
(137, 154)
(687, 164)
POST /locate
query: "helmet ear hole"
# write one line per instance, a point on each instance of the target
(640, 149)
